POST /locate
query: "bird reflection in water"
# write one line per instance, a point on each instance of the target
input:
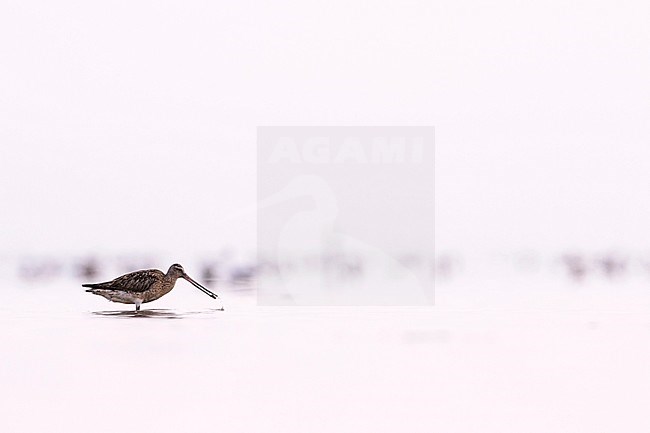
(155, 313)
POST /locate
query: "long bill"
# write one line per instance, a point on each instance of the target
(200, 287)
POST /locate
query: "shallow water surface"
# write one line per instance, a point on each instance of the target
(491, 360)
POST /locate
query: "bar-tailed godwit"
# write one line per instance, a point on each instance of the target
(140, 287)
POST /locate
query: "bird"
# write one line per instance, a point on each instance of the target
(143, 286)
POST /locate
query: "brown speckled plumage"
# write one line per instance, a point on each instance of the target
(144, 286)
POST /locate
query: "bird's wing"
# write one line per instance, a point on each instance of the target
(138, 281)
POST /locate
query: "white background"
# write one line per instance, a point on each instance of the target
(131, 125)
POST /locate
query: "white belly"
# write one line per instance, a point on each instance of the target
(120, 296)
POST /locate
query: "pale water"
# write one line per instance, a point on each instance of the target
(507, 357)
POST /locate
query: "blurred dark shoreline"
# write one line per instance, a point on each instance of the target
(230, 270)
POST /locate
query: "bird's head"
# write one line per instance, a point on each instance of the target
(176, 270)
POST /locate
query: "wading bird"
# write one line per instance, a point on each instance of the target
(140, 287)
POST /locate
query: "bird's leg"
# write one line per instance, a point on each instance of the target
(137, 307)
